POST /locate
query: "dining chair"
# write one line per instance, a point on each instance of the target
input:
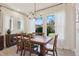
(19, 43)
(52, 48)
(29, 46)
(35, 46)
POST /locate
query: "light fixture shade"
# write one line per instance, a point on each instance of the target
(32, 15)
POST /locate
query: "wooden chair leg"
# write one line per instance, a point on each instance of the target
(56, 53)
(30, 52)
(21, 52)
(24, 52)
(53, 53)
(17, 50)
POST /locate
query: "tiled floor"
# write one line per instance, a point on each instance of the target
(12, 52)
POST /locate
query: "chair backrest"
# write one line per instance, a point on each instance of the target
(55, 41)
(19, 41)
(27, 43)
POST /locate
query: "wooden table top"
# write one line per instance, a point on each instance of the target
(38, 39)
(41, 39)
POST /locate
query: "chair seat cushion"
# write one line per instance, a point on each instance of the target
(49, 46)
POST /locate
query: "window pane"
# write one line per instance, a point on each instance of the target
(50, 18)
(11, 23)
(38, 23)
(38, 20)
(19, 25)
(50, 25)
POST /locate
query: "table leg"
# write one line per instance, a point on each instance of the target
(42, 50)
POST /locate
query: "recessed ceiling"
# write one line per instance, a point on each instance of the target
(28, 7)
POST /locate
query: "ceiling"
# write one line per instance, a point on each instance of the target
(28, 7)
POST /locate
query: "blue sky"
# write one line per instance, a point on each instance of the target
(39, 20)
(49, 18)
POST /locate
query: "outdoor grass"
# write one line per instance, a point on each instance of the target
(51, 34)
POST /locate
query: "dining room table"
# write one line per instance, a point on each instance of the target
(41, 41)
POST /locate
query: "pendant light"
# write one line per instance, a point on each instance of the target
(34, 13)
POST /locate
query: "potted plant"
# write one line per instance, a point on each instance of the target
(8, 31)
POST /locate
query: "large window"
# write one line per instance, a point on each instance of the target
(50, 24)
(11, 23)
(8, 23)
(20, 25)
(38, 23)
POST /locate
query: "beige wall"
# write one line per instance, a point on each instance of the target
(6, 13)
(30, 25)
(1, 21)
(77, 30)
(70, 27)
